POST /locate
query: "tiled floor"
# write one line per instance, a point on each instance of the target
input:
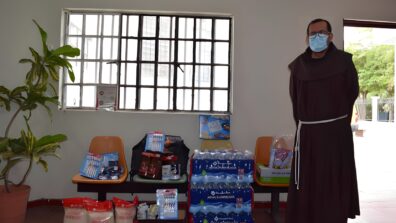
(54, 214)
(371, 213)
(44, 214)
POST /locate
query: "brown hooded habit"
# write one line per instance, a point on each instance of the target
(323, 89)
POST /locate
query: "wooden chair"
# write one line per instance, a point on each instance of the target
(101, 145)
(262, 156)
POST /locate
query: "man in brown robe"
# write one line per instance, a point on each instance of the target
(323, 89)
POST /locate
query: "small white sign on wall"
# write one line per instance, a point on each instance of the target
(106, 97)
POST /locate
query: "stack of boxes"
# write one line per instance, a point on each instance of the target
(220, 188)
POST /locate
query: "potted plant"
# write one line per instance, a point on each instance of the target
(36, 91)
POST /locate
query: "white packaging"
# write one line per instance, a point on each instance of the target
(142, 211)
(125, 211)
(125, 215)
(100, 212)
(100, 217)
(152, 211)
(75, 215)
(75, 211)
(270, 172)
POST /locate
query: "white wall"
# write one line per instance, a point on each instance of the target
(268, 35)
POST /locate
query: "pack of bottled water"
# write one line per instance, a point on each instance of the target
(222, 166)
(220, 188)
(218, 198)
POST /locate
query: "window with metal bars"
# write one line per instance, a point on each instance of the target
(159, 62)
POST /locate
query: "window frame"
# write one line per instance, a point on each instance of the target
(176, 64)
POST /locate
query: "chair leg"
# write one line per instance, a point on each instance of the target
(275, 206)
(101, 196)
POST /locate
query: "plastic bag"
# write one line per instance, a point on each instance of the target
(281, 152)
(142, 211)
(75, 211)
(100, 212)
(167, 202)
(125, 211)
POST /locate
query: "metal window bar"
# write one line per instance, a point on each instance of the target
(157, 27)
(175, 63)
(138, 65)
(82, 59)
(229, 65)
(193, 66)
(212, 66)
(100, 17)
(170, 73)
(119, 64)
(184, 59)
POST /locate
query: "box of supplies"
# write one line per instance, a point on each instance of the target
(271, 175)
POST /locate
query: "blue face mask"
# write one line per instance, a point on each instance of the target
(318, 42)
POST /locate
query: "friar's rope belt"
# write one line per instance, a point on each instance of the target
(297, 147)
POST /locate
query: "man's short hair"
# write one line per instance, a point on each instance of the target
(319, 20)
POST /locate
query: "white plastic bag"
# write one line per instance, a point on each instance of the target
(125, 211)
(100, 212)
(75, 211)
(281, 152)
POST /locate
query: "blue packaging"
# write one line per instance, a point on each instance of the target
(223, 218)
(167, 202)
(220, 190)
(155, 142)
(217, 170)
(109, 158)
(91, 166)
(217, 200)
(220, 196)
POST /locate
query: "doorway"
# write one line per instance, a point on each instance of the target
(373, 47)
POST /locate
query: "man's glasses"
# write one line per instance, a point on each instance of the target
(320, 33)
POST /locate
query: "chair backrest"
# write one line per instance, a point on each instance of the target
(262, 150)
(108, 144)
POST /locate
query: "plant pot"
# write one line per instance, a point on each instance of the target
(13, 205)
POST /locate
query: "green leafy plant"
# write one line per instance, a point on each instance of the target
(38, 90)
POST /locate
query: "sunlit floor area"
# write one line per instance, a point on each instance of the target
(375, 161)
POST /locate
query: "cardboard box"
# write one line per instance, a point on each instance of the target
(275, 176)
